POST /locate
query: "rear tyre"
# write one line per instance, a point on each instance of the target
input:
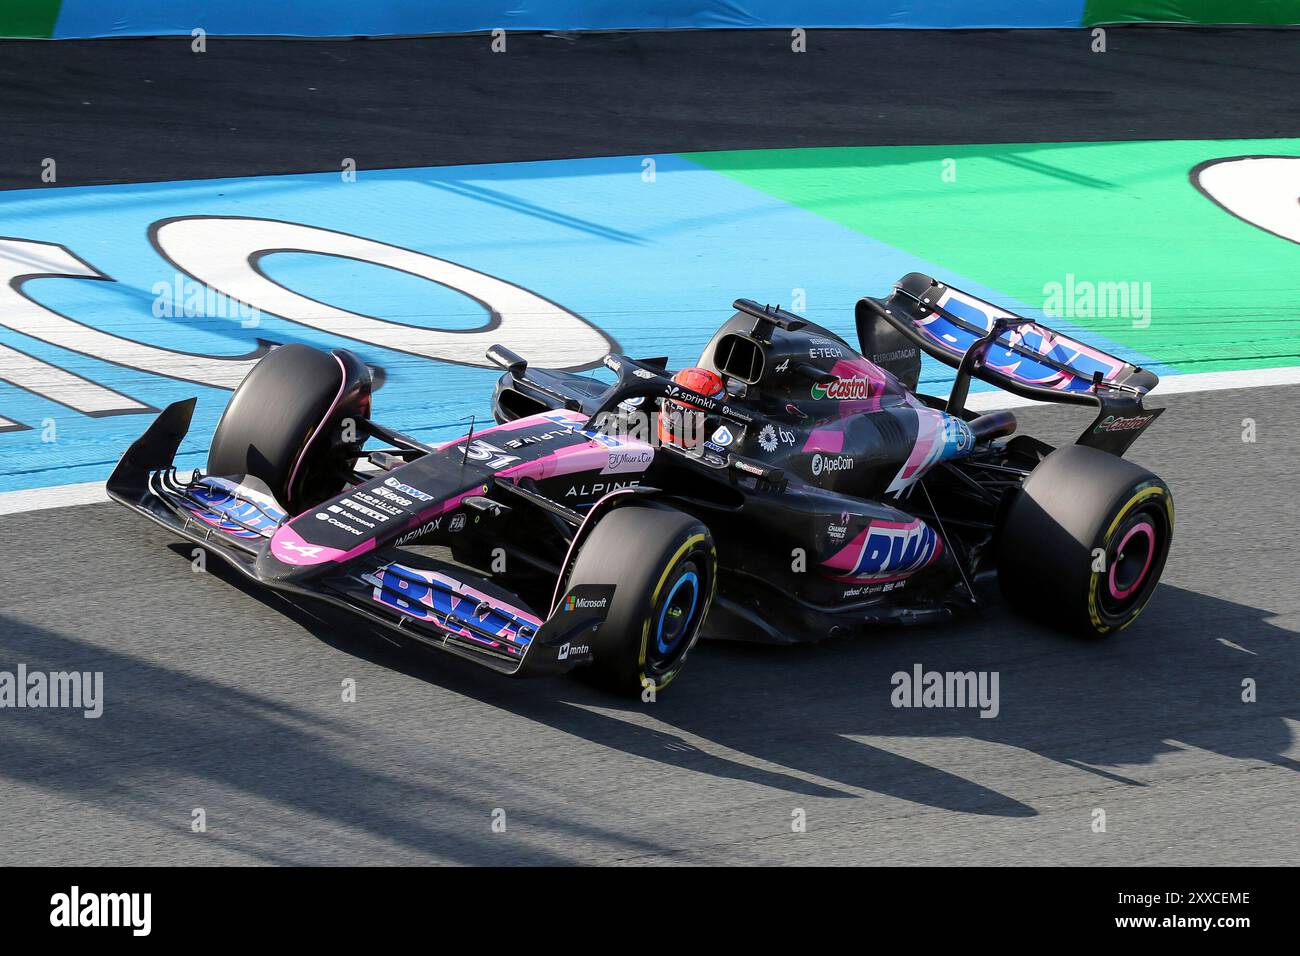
(664, 568)
(1084, 541)
(276, 427)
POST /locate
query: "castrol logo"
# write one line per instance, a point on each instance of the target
(843, 389)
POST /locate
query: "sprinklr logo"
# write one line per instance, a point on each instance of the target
(73, 909)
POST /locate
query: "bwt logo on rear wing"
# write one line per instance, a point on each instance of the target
(947, 323)
(1016, 354)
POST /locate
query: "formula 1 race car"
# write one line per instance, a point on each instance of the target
(788, 488)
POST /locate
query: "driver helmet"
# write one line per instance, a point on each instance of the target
(682, 425)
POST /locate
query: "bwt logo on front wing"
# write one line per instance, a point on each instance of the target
(75, 909)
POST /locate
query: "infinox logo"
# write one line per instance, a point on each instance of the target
(843, 389)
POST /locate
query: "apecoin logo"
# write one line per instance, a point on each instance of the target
(831, 463)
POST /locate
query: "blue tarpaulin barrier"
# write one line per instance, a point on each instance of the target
(97, 18)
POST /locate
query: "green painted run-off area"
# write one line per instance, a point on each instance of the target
(1222, 293)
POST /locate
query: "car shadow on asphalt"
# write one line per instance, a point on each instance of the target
(274, 783)
(817, 719)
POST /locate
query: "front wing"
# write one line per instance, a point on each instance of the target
(437, 603)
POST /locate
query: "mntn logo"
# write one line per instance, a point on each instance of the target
(896, 550)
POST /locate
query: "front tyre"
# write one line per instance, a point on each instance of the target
(281, 425)
(1083, 542)
(664, 568)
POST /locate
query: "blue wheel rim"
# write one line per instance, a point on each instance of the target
(669, 631)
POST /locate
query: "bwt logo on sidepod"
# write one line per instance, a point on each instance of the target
(890, 551)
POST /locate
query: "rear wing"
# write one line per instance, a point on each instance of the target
(1016, 354)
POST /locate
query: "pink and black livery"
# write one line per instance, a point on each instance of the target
(826, 495)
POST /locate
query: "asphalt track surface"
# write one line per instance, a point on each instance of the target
(221, 697)
(151, 110)
(224, 698)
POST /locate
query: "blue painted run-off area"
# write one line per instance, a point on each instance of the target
(591, 254)
(94, 18)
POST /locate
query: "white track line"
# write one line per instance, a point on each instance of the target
(92, 492)
(60, 496)
(1170, 385)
